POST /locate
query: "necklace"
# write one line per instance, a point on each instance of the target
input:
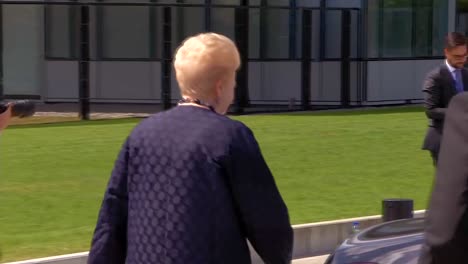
(195, 101)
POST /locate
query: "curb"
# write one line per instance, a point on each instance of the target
(310, 240)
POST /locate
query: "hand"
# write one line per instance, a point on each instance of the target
(5, 118)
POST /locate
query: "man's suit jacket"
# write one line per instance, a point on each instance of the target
(446, 234)
(439, 87)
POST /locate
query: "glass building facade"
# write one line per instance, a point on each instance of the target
(392, 43)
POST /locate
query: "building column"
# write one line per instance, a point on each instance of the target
(452, 15)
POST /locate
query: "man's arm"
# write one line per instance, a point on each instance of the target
(263, 212)
(5, 118)
(109, 242)
(433, 96)
(448, 200)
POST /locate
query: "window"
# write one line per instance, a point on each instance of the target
(187, 21)
(439, 26)
(269, 32)
(254, 33)
(225, 2)
(116, 32)
(62, 29)
(406, 28)
(223, 19)
(462, 6)
(126, 31)
(396, 28)
(462, 16)
(135, 32)
(275, 26)
(333, 34)
(373, 27)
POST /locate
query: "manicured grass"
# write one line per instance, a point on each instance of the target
(328, 165)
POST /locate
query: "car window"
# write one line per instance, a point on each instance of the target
(397, 228)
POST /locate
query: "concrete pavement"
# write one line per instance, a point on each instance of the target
(312, 260)
(80, 258)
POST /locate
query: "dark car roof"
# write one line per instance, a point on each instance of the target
(396, 242)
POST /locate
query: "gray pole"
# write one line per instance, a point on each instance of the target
(84, 63)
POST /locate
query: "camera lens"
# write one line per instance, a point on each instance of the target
(3, 107)
(23, 108)
(20, 108)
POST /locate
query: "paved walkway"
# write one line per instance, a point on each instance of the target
(93, 115)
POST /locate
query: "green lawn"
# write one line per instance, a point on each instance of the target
(328, 165)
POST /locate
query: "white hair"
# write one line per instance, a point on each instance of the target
(201, 61)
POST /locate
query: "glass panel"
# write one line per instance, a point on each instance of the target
(225, 2)
(397, 28)
(223, 21)
(308, 3)
(406, 28)
(269, 30)
(275, 27)
(23, 54)
(422, 22)
(125, 32)
(61, 31)
(440, 26)
(278, 2)
(373, 14)
(462, 16)
(187, 21)
(354, 34)
(315, 34)
(254, 33)
(462, 6)
(333, 34)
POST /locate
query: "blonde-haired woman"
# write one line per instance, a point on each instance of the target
(190, 185)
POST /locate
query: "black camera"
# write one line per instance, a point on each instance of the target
(19, 108)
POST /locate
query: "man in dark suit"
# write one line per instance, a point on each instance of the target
(441, 85)
(446, 234)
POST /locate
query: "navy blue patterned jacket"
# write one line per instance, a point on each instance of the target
(191, 186)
